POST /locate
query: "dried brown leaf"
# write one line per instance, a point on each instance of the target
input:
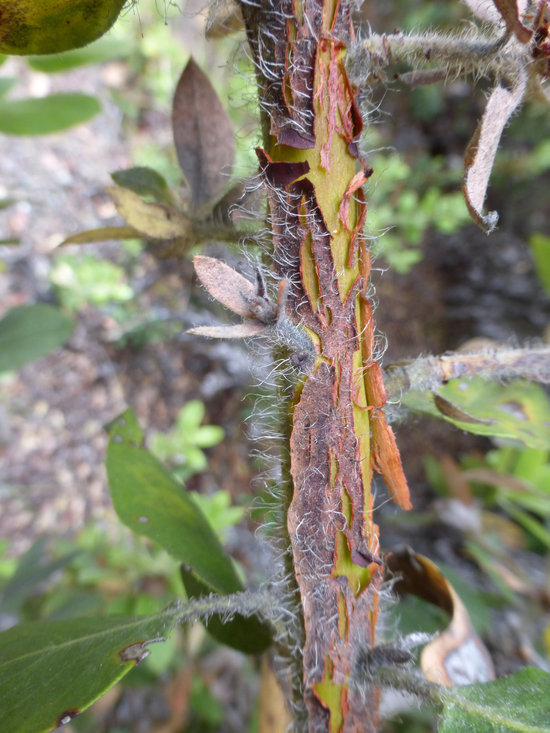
(102, 234)
(482, 148)
(153, 220)
(493, 10)
(510, 11)
(225, 285)
(273, 713)
(203, 135)
(457, 656)
(237, 331)
(224, 17)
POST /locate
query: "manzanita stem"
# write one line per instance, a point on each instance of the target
(314, 175)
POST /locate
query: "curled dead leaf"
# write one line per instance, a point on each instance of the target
(457, 656)
(153, 220)
(510, 10)
(482, 148)
(492, 11)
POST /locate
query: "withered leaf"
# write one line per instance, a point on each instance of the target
(457, 656)
(225, 284)
(224, 17)
(153, 220)
(493, 10)
(482, 148)
(510, 10)
(237, 331)
(102, 234)
(203, 135)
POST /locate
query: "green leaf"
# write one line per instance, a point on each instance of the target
(250, 634)
(520, 702)
(145, 182)
(105, 49)
(126, 428)
(33, 568)
(518, 410)
(7, 83)
(45, 115)
(50, 671)
(149, 501)
(191, 415)
(208, 435)
(43, 26)
(28, 332)
(102, 234)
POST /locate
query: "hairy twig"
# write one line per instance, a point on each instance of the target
(431, 372)
(453, 55)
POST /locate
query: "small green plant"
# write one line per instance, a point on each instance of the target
(401, 215)
(85, 279)
(182, 447)
(514, 480)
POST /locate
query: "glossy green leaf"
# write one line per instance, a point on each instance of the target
(250, 634)
(52, 670)
(145, 182)
(151, 502)
(43, 26)
(518, 410)
(45, 115)
(105, 49)
(520, 702)
(28, 332)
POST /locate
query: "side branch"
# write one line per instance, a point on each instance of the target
(433, 371)
(456, 55)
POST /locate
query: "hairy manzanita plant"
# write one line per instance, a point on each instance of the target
(310, 298)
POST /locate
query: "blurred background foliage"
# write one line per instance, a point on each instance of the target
(482, 506)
